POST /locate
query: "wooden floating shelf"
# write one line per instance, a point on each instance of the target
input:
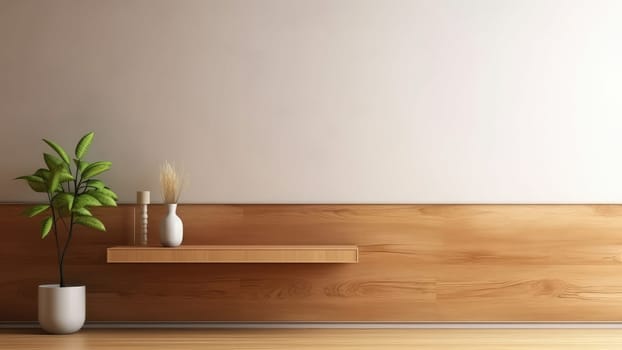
(235, 254)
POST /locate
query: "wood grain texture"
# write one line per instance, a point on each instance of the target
(417, 263)
(277, 254)
(335, 339)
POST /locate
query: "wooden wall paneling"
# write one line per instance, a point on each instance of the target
(417, 263)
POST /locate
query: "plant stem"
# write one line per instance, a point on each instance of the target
(62, 259)
(76, 186)
(56, 239)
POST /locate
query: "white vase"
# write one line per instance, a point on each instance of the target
(171, 228)
(62, 310)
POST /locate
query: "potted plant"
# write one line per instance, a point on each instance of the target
(71, 189)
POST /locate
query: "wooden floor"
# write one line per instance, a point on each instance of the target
(377, 339)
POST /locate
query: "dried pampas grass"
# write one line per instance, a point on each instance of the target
(170, 182)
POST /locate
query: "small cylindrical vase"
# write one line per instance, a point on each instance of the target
(141, 217)
(171, 228)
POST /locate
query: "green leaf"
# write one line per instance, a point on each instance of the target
(61, 152)
(98, 184)
(46, 226)
(37, 187)
(90, 221)
(85, 200)
(84, 144)
(82, 212)
(33, 178)
(80, 164)
(103, 198)
(52, 162)
(54, 182)
(108, 192)
(63, 200)
(36, 210)
(64, 175)
(36, 183)
(45, 174)
(95, 169)
(63, 212)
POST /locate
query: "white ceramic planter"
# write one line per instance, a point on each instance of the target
(61, 310)
(171, 228)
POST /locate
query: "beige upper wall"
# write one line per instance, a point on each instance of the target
(322, 101)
